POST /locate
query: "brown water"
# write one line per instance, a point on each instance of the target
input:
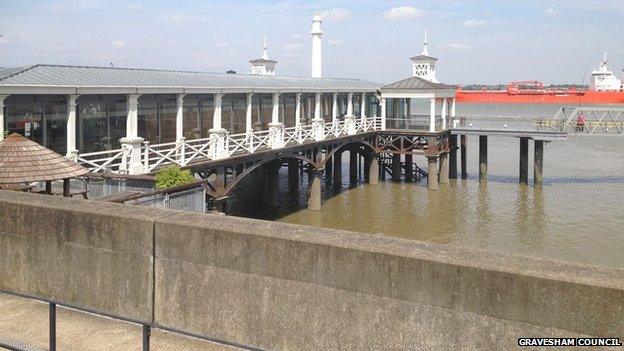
(578, 216)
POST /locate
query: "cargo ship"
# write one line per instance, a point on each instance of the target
(605, 88)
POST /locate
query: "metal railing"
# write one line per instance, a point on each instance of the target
(588, 120)
(52, 327)
(183, 152)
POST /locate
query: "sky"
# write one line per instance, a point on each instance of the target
(487, 42)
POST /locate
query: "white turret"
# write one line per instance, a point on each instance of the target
(423, 65)
(263, 66)
(316, 46)
(603, 79)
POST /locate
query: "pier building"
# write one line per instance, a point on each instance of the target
(225, 126)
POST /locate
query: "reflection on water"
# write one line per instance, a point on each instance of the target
(578, 216)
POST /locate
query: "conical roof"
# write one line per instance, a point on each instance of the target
(23, 160)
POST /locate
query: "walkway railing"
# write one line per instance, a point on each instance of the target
(589, 120)
(183, 152)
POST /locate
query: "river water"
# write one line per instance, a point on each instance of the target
(578, 216)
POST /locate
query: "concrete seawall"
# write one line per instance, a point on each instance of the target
(279, 286)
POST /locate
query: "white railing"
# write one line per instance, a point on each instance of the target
(183, 152)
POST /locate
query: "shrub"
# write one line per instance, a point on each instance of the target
(171, 176)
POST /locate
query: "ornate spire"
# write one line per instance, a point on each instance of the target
(425, 51)
(265, 55)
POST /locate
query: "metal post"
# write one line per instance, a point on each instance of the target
(48, 187)
(444, 169)
(483, 158)
(146, 337)
(432, 173)
(524, 161)
(66, 189)
(373, 171)
(538, 164)
(464, 145)
(396, 167)
(453, 157)
(52, 327)
(337, 158)
(409, 168)
(273, 185)
(352, 166)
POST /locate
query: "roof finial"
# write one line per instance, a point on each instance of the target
(425, 51)
(265, 55)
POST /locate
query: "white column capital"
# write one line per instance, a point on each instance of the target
(2, 97)
(180, 98)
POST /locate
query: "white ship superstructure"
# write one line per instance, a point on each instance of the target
(603, 79)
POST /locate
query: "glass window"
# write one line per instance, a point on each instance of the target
(40, 118)
(191, 122)
(101, 122)
(148, 118)
(167, 113)
(233, 113)
(206, 112)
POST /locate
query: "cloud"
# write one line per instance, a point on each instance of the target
(220, 45)
(135, 7)
(455, 46)
(335, 41)
(296, 36)
(185, 19)
(551, 13)
(292, 47)
(403, 12)
(475, 23)
(119, 44)
(335, 15)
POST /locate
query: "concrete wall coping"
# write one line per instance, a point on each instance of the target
(608, 277)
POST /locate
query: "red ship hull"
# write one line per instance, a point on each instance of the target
(504, 97)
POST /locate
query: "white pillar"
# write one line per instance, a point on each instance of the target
(316, 33)
(216, 116)
(248, 125)
(2, 97)
(275, 114)
(382, 106)
(453, 111)
(132, 142)
(297, 109)
(444, 103)
(132, 123)
(218, 135)
(318, 130)
(432, 115)
(334, 107)
(180, 117)
(363, 107)
(276, 129)
(71, 124)
(350, 104)
(317, 106)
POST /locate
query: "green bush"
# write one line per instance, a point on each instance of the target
(171, 176)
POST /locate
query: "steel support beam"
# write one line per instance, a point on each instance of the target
(483, 149)
(538, 164)
(396, 167)
(464, 163)
(444, 169)
(353, 176)
(432, 172)
(373, 170)
(409, 168)
(523, 177)
(453, 157)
